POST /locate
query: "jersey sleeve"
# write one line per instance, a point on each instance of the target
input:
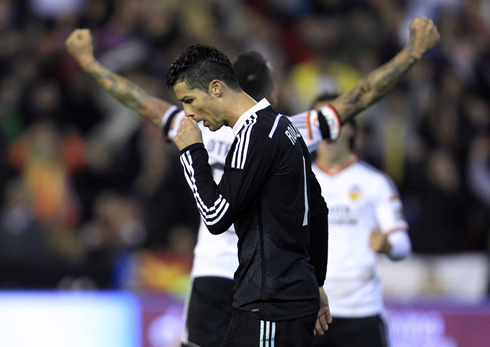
(316, 126)
(389, 215)
(388, 207)
(171, 121)
(220, 204)
(318, 231)
(401, 246)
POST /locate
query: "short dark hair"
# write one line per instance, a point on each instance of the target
(254, 75)
(198, 65)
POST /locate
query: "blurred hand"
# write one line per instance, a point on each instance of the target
(324, 316)
(423, 36)
(378, 242)
(188, 134)
(79, 45)
(480, 147)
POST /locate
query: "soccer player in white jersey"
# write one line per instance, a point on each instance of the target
(215, 256)
(365, 218)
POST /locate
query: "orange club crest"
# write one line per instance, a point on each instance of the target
(355, 193)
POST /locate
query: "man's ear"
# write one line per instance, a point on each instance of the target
(272, 97)
(216, 88)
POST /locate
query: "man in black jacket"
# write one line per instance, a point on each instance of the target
(270, 194)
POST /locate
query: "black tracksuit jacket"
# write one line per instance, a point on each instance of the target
(274, 200)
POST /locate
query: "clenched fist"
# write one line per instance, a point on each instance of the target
(79, 45)
(423, 36)
(188, 134)
(378, 242)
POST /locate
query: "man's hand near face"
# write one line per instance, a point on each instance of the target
(188, 134)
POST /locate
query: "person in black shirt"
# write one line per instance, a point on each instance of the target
(270, 194)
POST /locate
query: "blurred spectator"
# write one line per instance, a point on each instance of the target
(115, 227)
(160, 179)
(45, 161)
(479, 184)
(22, 239)
(479, 168)
(442, 201)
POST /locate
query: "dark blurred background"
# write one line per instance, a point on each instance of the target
(87, 187)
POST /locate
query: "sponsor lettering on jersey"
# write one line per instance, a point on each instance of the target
(342, 215)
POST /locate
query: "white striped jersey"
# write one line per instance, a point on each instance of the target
(216, 255)
(270, 194)
(360, 198)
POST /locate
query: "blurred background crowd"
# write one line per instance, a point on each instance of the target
(86, 186)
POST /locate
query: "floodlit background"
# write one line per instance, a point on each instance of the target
(97, 225)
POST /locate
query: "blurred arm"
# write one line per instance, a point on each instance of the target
(401, 247)
(79, 45)
(391, 236)
(395, 245)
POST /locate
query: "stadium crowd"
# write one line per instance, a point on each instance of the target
(84, 181)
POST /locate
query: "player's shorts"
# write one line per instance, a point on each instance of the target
(208, 311)
(354, 332)
(246, 330)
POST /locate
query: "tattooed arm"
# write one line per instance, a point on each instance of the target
(371, 88)
(79, 45)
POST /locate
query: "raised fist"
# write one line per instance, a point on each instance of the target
(423, 36)
(79, 45)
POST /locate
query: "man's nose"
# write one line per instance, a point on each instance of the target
(188, 111)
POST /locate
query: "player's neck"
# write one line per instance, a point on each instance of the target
(238, 104)
(334, 160)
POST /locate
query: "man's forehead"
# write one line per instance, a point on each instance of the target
(182, 91)
(181, 87)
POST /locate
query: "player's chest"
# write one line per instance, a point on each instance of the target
(346, 197)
